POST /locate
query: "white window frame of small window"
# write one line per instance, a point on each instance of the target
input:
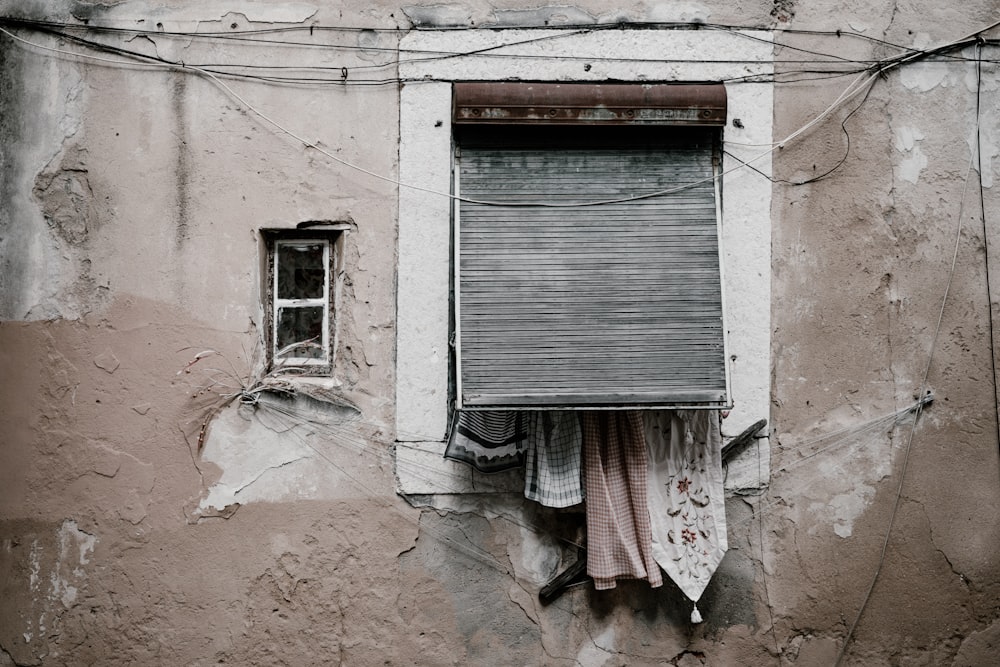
(424, 237)
(328, 236)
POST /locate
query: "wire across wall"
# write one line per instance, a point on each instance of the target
(811, 64)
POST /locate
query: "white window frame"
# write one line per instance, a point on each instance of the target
(329, 240)
(425, 161)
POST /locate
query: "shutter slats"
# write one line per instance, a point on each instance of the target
(616, 304)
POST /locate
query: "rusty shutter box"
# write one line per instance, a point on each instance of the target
(615, 305)
(589, 104)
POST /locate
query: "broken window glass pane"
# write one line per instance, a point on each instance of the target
(300, 332)
(301, 270)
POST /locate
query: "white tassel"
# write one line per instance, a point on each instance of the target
(695, 615)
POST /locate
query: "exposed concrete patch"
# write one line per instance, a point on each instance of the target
(157, 16)
(851, 464)
(600, 651)
(462, 556)
(107, 361)
(922, 77)
(45, 575)
(783, 11)
(64, 195)
(66, 198)
(559, 15)
(679, 12)
(75, 546)
(182, 166)
(979, 648)
(907, 142)
(278, 450)
(844, 509)
(438, 16)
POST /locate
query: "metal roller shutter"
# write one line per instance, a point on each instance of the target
(614, 305)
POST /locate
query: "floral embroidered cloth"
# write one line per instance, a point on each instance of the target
(686, 495)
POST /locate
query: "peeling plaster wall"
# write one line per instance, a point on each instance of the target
(129, 215)
(37, 266)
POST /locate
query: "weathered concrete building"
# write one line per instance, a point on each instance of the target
(239, 263)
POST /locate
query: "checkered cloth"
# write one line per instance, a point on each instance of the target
(553, 467)
(490, 441)
(619, 539)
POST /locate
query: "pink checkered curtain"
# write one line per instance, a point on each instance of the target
(686, 496)
(614, 472)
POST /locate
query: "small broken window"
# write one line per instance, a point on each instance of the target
(300, 308)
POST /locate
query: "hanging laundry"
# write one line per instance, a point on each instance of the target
(686, 496)
(615, 472)
(490, 441)
(553, 467)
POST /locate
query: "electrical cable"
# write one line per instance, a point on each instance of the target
(845, 96)
(986, 235)
(913, 427)
(633, 25)
(849, 92)
(814, 179)
(243, 36)
(923, 389)
(787, 76)
(758, 511)
(313, 145)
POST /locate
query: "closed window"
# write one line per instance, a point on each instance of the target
(588, 269)
(444, 97)
(300, 313)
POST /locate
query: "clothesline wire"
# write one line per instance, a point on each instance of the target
(346, 436)
(874, 424)
(293, 419)
(861, 436)
(870, 429)
(873, 429)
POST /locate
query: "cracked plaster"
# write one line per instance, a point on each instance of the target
(264, 455)
(157, 16)
(346, 574)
